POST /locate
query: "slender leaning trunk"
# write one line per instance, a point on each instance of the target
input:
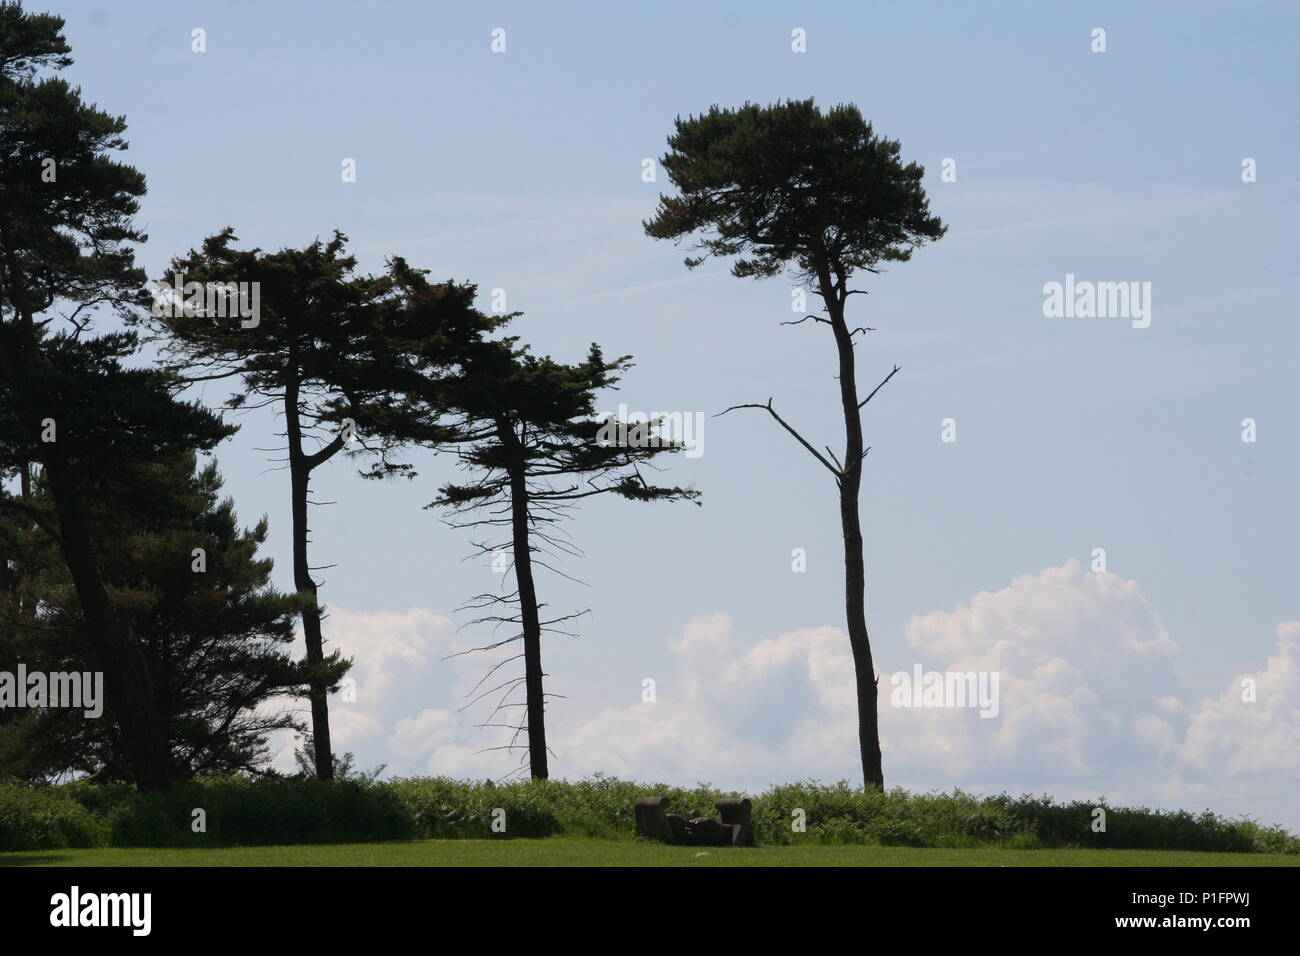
(855, 576)
(529, 617)
(318, 690)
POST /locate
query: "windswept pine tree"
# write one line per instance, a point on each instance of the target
(310, 337)
(68, 403)
(790, 188)
(289, 339)
(189, 583)
(526, 430)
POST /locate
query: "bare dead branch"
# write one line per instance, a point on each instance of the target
(782, 422)
(878, 387)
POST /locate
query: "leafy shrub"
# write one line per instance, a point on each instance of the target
(42, 818)
(270, 811)
(240, 810)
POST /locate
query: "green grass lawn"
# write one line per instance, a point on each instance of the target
(569, 851)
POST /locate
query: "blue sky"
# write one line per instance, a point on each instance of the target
(522, 171)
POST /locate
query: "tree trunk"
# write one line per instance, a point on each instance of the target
(318, 690)
(128, 683)
(529, 616)
(855, 578)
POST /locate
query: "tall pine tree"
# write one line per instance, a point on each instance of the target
(525, 429)
(791, 188)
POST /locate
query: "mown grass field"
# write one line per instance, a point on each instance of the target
(571, 851)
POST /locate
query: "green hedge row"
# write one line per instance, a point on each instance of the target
(239, 810)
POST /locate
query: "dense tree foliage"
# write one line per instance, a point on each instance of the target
(70, 406)
(189, 583)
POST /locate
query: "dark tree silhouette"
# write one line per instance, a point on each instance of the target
(300, 354)
(525, 428)
(213, 632)
(788, 187)
(332, 351)
(69, 406)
